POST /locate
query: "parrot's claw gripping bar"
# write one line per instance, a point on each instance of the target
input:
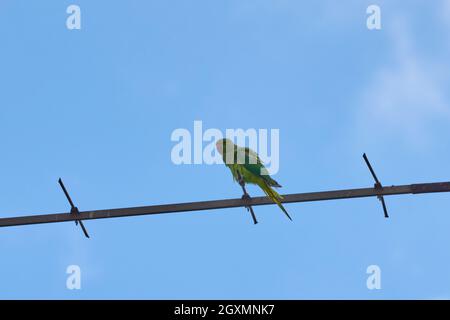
(377, 185)
(73, 208)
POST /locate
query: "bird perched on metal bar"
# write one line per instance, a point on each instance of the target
(246, 167)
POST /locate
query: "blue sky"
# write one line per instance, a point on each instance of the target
(97, 107)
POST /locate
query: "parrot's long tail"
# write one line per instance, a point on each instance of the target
(275, 196)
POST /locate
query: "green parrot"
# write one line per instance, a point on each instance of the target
(246, 167)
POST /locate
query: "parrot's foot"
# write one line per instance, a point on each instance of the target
(246, 196)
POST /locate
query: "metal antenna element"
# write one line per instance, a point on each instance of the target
(73, 209)
(378, 186)
(208, 206)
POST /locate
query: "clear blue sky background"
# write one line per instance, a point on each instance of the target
(97, 107)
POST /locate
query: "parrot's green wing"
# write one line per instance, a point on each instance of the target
(256, 167)
(252, 156)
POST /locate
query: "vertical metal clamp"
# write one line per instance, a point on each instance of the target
(73, 209)
(377, 185)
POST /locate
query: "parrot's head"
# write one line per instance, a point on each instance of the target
(223, 144)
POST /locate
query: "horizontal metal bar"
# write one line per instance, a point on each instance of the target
(228, 203)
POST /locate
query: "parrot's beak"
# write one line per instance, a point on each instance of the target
(219, 146)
